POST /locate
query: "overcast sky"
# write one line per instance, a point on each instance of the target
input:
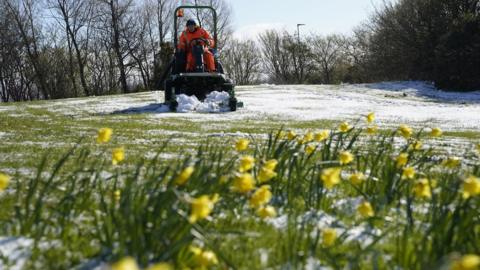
(321, 16)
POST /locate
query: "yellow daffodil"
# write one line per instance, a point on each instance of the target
(104, 135)
(478, 148)
(282, 135)
(329, 237)
(466, 262)
(308, 137)
(416, 145)
(344, 127)
(183, 177)
(451, 162)
(471, 187)
(266, 212)
(322, 135)
(370, 117)
(261, 196)
(330, 177)
(117, 195)
(271, 164)
(402, 160)
(243, 183)
(357, 178)
(372, 130)
(291, 135)
(242, 145)
(246, 163)
(345, 157)
(127, 263)
(118, 155)
(436, 132)
(265, 175)
(201, 207)
(204, 258)
(309, 149)
(408, 173)
(405, 131)
(161, 266)
(422, 189)
(4, 181)
(365, 209)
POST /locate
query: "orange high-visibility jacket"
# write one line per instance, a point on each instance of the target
(188, 36)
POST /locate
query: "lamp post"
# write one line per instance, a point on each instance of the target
(298, 31)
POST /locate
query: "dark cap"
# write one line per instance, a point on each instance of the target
(191, 22)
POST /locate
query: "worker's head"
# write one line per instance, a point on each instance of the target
(191, 25)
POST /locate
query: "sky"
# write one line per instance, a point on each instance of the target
(320, 16)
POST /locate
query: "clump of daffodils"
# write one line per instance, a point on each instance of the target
(201, 207)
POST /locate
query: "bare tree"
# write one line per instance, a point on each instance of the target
(242, 61)
(22, 12)
(115, 14)
(75, 16)
(328, 54)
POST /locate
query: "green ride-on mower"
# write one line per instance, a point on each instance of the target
(197, 82)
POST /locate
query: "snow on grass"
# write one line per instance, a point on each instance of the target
(415, 103)
(14, 252)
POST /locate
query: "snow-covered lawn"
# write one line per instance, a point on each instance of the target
(140, 120)
(415, 103)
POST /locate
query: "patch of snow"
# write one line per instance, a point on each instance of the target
(14, 252)
(279, 222)
(214, 102)
(365, 235)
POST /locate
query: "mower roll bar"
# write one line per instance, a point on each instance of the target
(175, 22)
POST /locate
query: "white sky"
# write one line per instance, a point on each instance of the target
(321, 16)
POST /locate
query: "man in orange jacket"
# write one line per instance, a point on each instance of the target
(193, 36)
